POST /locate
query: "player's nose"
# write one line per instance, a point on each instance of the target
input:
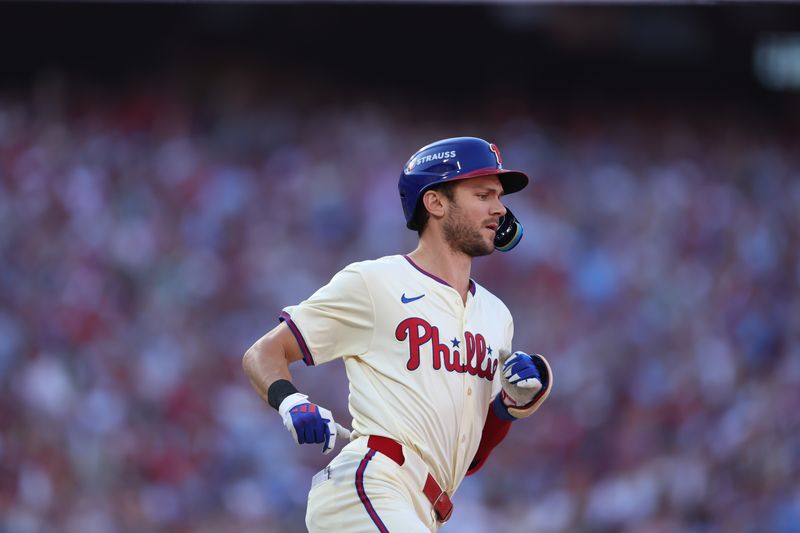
(498, 209)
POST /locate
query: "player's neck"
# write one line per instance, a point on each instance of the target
(444, 262)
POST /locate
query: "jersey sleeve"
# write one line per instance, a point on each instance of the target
(336, 321)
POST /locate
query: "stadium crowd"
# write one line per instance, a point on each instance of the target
(149, 235)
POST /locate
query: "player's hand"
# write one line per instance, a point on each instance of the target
(308, 422)
(526, 381)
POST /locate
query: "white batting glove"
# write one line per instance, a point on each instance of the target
(308, 422)
(526, 381)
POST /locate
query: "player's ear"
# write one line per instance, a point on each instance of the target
(433, 202)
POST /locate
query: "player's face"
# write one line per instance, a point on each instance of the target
(473, 215)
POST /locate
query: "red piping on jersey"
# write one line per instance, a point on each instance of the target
(307, 359)
(362, 494)
(440, 280)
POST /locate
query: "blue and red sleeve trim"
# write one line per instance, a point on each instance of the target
(500, 409)
(307, 359)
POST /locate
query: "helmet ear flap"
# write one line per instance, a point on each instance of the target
(508, 233)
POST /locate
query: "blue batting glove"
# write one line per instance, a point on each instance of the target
(308, 422)
(526, 381)
(521, 378)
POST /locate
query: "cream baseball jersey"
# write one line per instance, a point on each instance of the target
(421, 363)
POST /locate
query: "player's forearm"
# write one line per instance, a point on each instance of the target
(265, 363)
(495, 430)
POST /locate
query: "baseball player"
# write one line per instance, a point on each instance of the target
(434, 381)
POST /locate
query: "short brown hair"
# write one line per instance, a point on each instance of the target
(421, 215)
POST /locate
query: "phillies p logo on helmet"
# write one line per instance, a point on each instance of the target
(496, 150)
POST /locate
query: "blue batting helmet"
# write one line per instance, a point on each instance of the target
(449, 160)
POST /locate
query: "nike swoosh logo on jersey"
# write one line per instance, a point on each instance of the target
(409, 300)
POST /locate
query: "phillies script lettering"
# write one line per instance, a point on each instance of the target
(419, 332)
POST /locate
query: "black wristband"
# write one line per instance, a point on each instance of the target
(278, 392)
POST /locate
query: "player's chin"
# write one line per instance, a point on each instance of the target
(483, 245)
(489, 234)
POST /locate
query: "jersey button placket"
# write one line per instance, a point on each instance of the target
(463, 360)
(465, 376)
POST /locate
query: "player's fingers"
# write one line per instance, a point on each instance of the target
(530, 383)
(527, 373)
(312, 434)
(327, 446)
(309, 434)
(511, 360)
(521, 370)
(328, 429)
(330, 438)
(511, 371)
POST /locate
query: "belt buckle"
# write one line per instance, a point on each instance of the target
(446, 503)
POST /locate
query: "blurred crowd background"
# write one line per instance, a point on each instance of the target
(163, 197)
